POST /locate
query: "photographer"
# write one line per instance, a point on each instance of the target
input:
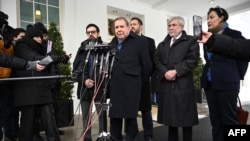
(10, 61)
(30, 95)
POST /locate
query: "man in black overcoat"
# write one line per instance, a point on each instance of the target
(145, 107)
(132, 67)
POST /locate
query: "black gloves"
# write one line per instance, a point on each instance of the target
(75, 75)
(65, 59)
(60, 59)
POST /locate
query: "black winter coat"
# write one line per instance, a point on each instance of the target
(31, 92)
(229, 47)
(10, 61)
(226, 73)
(177, 101)
(81, 69)
(131, 69)
(145, 99)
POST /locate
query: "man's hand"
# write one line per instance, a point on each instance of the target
(89, 83)
(170, 75)
(40, 67)
(33, 65)
(205, 37)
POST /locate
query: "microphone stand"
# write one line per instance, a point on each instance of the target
(104, 51)
(105, 136)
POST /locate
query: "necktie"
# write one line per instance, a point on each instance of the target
(173, 41)
(119, 45)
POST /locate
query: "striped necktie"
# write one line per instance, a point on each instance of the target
(173, 41)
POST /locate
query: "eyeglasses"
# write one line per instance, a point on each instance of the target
(92, 32)
(221, 11)
(174, 25)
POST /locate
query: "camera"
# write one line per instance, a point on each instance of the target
(5, 29)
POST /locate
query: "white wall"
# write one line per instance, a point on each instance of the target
(9, 7)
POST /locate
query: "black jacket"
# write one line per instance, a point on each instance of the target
(82, 73)
(145, 99)
(226, 73)
(31, 92)
(229, 47)
(10, 61)
(131, 69)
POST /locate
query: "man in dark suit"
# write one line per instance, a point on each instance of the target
(132, 67)
(145, 106)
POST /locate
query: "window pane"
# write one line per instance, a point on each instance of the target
(24, 24)
(41, 1)
(42, 16)
(26, 10)
(53, 2)
(53, 15)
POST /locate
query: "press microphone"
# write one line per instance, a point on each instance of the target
(101, 63)
(113, 51)
(98, 47)
(96, 59)
(87, 57)
(107, 59)
(111, 65)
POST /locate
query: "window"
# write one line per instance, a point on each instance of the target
(45, 11)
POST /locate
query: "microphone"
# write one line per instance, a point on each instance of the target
(87, 57)
(113, 51)
(101, 64)
(96, 59)
(114, 57)
(100, 47)
(88, 47)
(107, 59)
(111, 65)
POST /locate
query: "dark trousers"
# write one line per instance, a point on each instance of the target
(3, 107)
(147, 123)
(131, 129)
(222, 110)
(173, 133)
(9, 114)
(48, 120)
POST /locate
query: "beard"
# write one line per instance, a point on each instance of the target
(92, 39)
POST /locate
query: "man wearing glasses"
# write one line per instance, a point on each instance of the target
(83, 67)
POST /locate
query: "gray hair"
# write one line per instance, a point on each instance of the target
(121, 18)
(178, 18)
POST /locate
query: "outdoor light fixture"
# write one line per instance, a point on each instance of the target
(212, 1)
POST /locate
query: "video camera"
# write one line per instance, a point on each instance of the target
(5, 29)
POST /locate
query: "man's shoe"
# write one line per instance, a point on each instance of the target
(61, 132)
(10, 139)
(87, 139)
(148, 139)
(37, 138)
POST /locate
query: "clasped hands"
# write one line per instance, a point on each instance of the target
(89, 83)
(170, 75)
